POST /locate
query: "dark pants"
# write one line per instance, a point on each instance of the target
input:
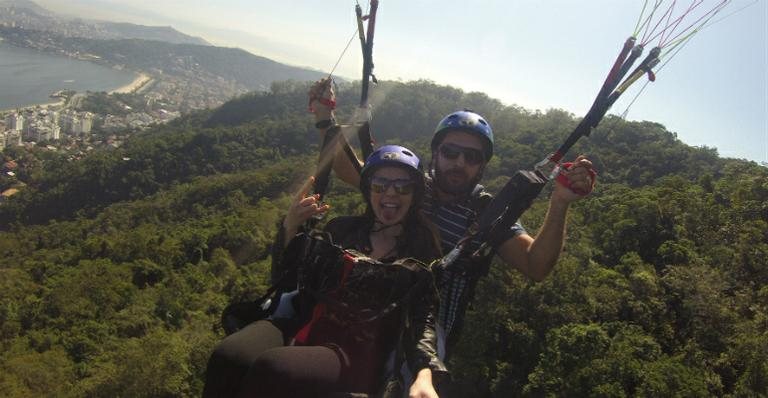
(255, 362)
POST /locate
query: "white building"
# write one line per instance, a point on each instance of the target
(74, 123)
(48, 132)
(10, 138)
(50, 117)
(15, 122)
(15, 139)
(86, 123)
(67, 120)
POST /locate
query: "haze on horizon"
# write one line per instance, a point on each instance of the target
(538, 55)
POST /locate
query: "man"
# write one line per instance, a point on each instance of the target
(461, 146)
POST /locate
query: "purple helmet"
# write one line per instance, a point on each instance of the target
(391, 155)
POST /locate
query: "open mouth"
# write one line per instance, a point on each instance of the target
(389, 211)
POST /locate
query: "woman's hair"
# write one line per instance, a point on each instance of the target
(420, 238)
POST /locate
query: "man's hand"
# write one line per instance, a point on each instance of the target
(581, 177)
(322, 99)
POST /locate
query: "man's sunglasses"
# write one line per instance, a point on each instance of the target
(402, 187)
(472, 156)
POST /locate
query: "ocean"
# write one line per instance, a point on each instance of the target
(29, 77)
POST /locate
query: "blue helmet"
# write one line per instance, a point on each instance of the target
(391, 155)
(469, 122)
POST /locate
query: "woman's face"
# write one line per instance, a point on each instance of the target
(391, 194)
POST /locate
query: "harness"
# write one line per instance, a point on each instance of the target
(355, 287)
(358, 287)
(478, 202)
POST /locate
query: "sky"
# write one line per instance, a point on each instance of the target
(538, 54)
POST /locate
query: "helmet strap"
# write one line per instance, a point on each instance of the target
(431, 169)
(379, 226)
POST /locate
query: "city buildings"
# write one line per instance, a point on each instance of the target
(15, 122)
(76, 124)
(42, 124)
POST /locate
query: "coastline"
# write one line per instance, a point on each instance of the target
(137, 83)
(108, 78)
(46, 105)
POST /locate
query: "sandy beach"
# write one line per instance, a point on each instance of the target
(131, 87)
(55, 105)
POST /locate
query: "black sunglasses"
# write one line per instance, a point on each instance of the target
(472, 156)
(402, 187)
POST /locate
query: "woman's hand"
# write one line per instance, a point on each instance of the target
(422, 387)
(302, 208)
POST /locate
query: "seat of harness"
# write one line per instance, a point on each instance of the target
(352, 288)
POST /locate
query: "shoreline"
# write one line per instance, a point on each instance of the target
(137, 83)
(46, 105)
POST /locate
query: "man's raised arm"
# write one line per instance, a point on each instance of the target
(322, 103)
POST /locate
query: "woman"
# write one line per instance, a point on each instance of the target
(370, 311)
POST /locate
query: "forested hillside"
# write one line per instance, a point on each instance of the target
(115, 267)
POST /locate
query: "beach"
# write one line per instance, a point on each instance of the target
(54, 105)
(140, 81)
(133, 86)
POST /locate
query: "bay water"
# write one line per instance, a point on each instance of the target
(29, 77)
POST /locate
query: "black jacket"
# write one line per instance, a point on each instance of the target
(419, 340)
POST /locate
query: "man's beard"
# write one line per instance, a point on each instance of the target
(454, 188)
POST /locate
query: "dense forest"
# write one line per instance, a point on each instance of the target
(115, 267)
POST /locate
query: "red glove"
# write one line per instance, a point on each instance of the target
(563, 179)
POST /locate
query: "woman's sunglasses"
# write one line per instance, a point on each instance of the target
(472, 156)
(402, 187)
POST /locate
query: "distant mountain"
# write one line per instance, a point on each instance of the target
(252, 71)
(26, 5)
(28, 15)
(160, 33)
(194, 63)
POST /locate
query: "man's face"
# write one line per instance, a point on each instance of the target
(459, 161)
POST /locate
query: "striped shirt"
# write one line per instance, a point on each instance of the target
(457, 282)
